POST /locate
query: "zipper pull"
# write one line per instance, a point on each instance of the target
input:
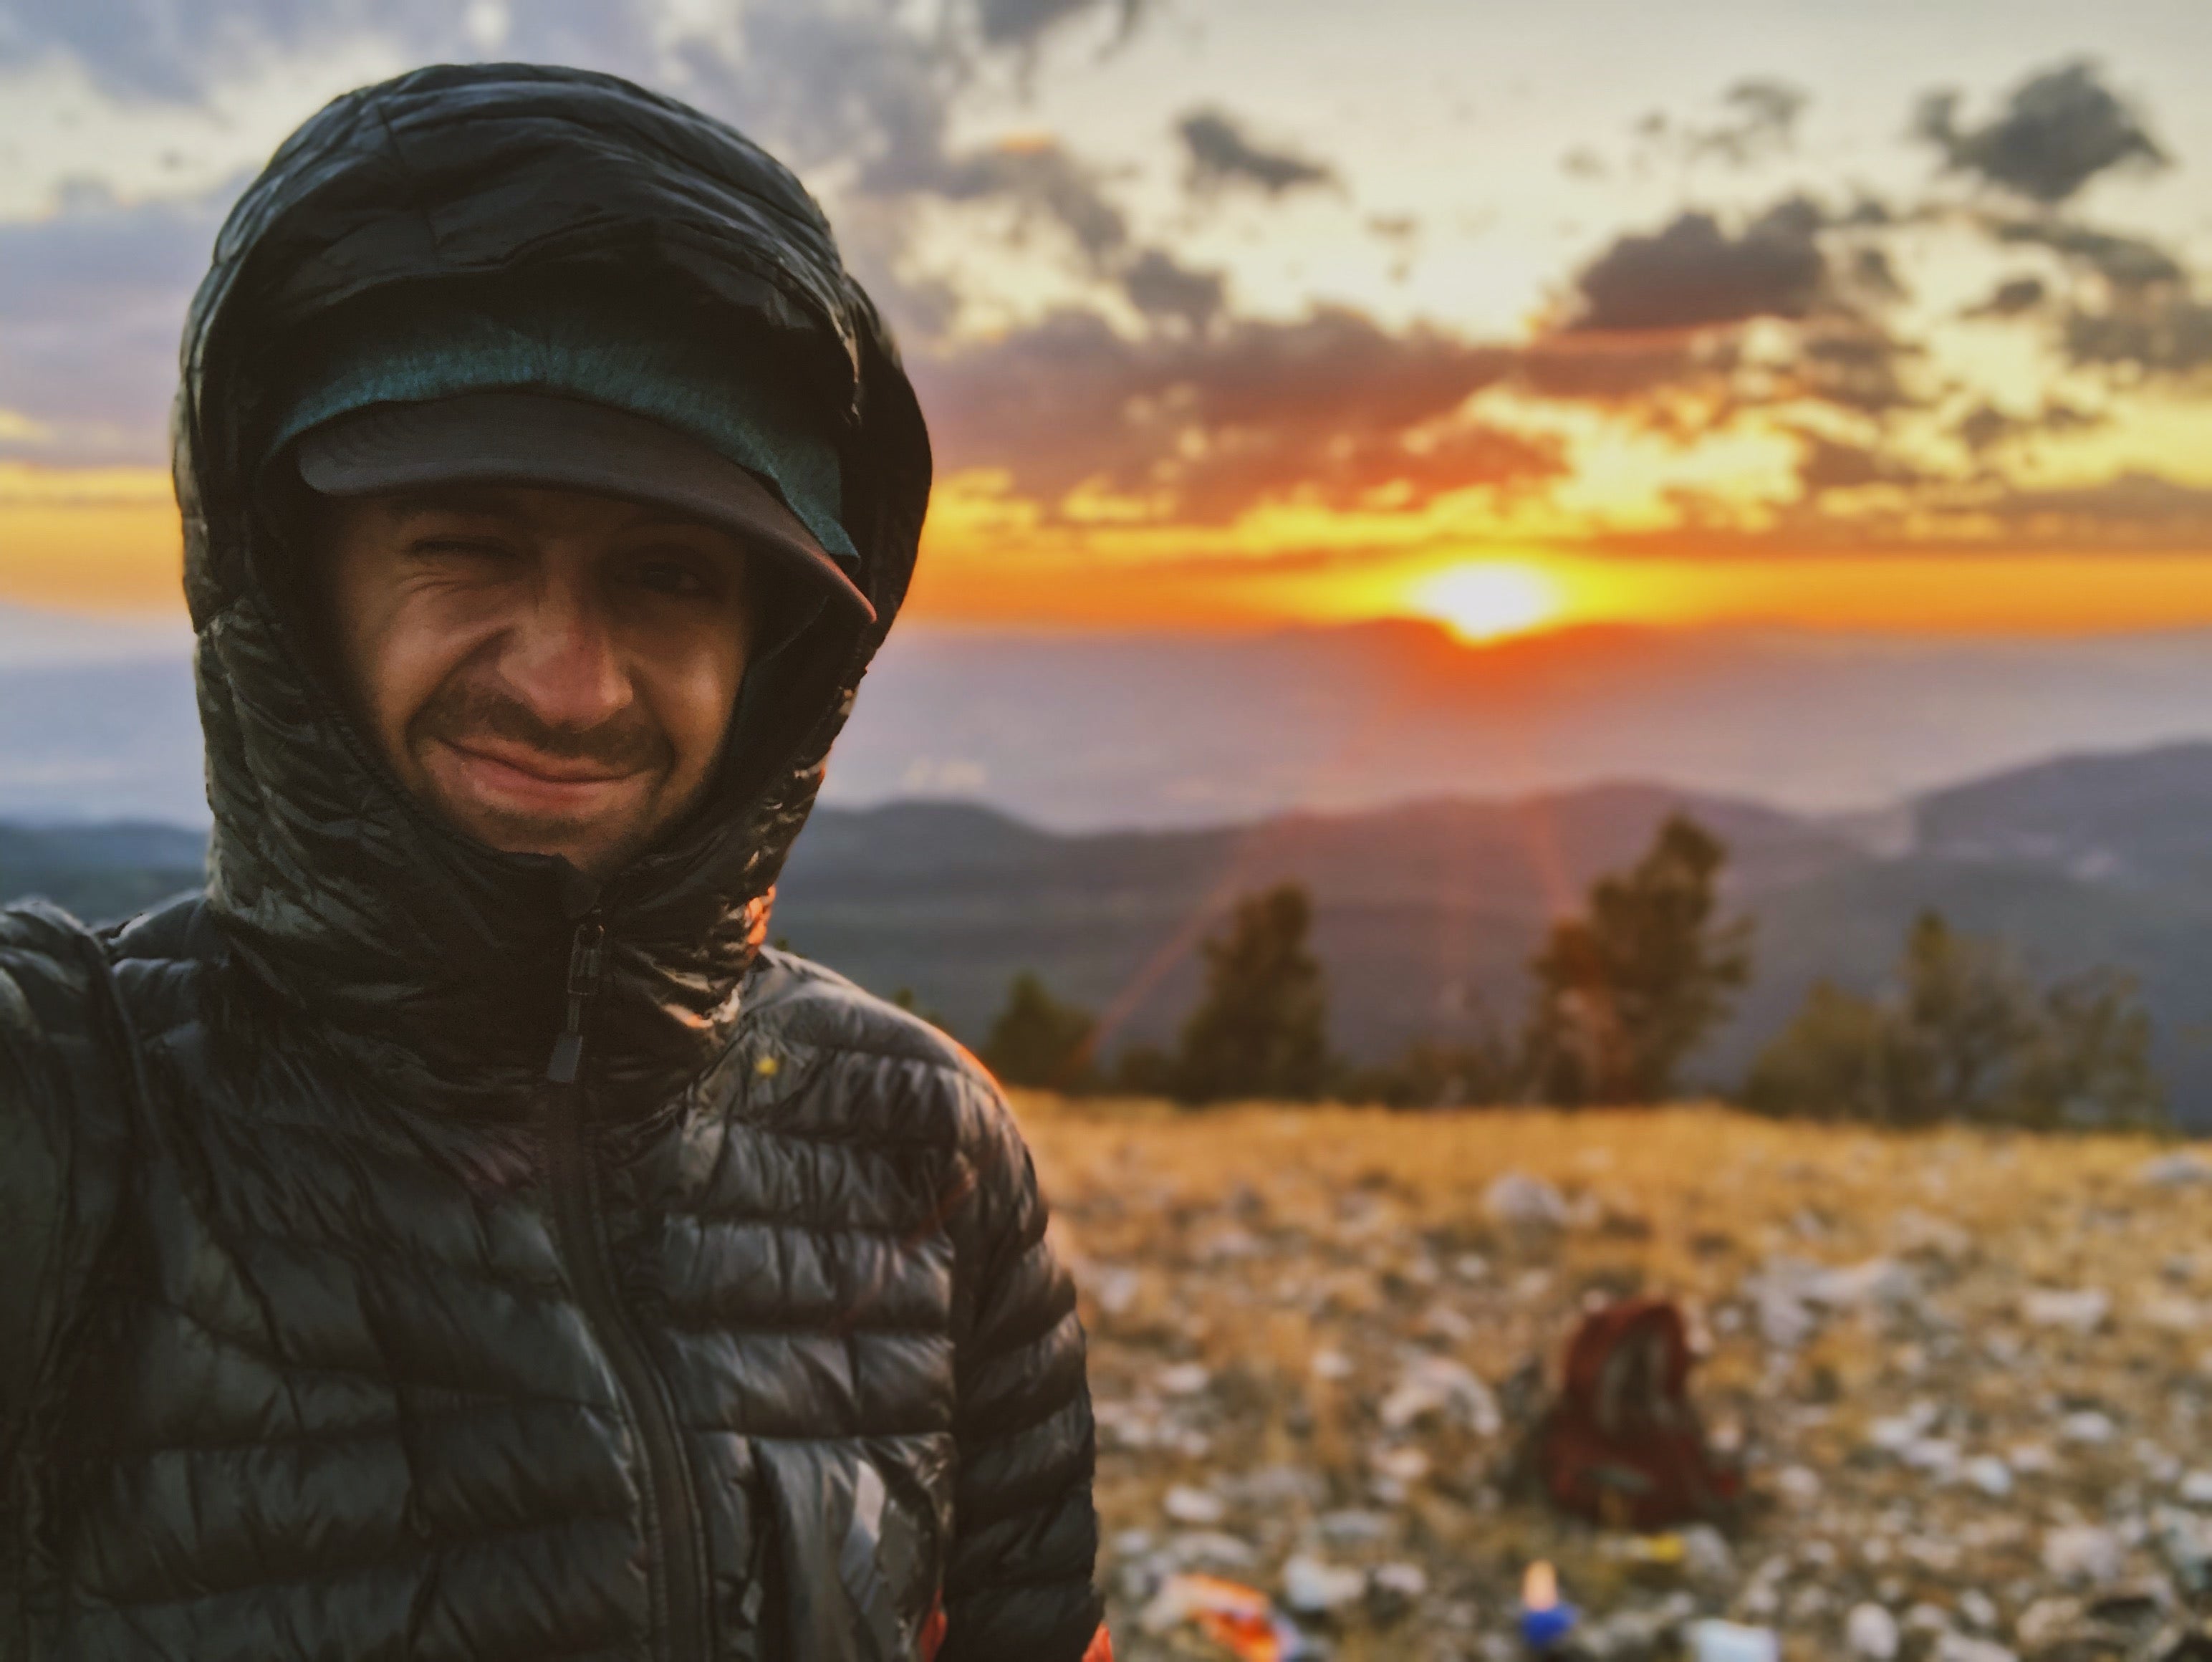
(587, 959)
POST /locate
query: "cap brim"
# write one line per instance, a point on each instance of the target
(542, 439)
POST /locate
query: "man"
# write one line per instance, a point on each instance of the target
(454, 1235)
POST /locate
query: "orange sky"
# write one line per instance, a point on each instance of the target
(108, 542)
(1722, 326)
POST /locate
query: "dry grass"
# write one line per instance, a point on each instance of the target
(1249, 1239)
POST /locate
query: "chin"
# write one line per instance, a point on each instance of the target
(597, 849)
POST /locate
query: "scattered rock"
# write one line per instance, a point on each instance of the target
(1183, 1379)
(1968, 1419)
(1991, 1474)
(2083, 1310)
(1518, 1200)
(2083, 1554)
(1437, 1385)
(1313, 1587)
(1186, 1505)
(1871, 1632)
(1962, 1648)
(1712, 1641)
(2184, 1168)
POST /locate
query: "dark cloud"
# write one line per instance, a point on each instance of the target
(2125, 262)
(1622, 369)
(1758, 119)
(1043, 180)
(1985, 426)
(91, 300)
(2009, 299)
(1869, 275)
(1023, 23)
(854, 87)
(2136, 510)
(1827, 464)
(1221, 153)
(1694, 274)
(1852, 364)
(1160, 286)
(1761, 119)
(2167, 332)
(2056, 132)
(1330, 405)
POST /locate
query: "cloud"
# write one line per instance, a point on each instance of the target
(1761, 120)
(91, 300)
(1854, 365)
(2135, 509)
(1827, 464)
(858, 91)
(1985, 426)
(1693, 274)
(1023, 23)
(1221, 154)
(1159, 286)
(2056, 132)
(2167, 332)
(2125, 262)
(2009, 299)
(1619, 368)
(1331, 406)
(160, 51)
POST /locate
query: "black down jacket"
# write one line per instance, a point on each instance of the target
(328, 1329)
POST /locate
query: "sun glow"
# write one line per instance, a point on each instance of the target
(1485, 599)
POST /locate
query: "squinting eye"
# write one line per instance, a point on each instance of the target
(671, 577)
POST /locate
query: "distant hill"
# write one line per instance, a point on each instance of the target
(100, 871)
(1426, 913)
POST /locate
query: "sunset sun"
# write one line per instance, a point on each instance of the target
(1485, 599)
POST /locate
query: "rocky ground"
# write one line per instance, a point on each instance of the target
(1968, 1372)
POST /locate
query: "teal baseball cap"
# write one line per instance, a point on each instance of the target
(575, 444)
(572, 389)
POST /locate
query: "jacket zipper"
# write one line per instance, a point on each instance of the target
(675, 1574)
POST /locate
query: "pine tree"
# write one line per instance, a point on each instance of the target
(1962, 1033)
(1624, 993)
(1038, 1042)
(1261, 1028)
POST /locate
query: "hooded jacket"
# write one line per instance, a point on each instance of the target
(330, 1328)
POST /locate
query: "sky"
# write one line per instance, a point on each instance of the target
(1235, 313)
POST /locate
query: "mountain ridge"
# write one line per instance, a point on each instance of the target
(1426, 912)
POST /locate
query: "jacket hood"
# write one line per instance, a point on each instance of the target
(438, 962)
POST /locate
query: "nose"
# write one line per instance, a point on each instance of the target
(560, 658)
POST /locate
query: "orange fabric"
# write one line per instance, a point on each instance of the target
(933, 1636)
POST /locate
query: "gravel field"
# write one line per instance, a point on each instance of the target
(1968, 1374)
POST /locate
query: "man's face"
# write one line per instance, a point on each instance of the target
(552, 671)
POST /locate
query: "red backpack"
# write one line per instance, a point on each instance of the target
(1622, 1445)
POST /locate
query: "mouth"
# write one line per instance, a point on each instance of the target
(520, 777)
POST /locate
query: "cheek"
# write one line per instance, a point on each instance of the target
(692, 688)
(423, 635)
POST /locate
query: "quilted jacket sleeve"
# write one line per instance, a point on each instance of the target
(1018, 1586)
(61, 1049)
